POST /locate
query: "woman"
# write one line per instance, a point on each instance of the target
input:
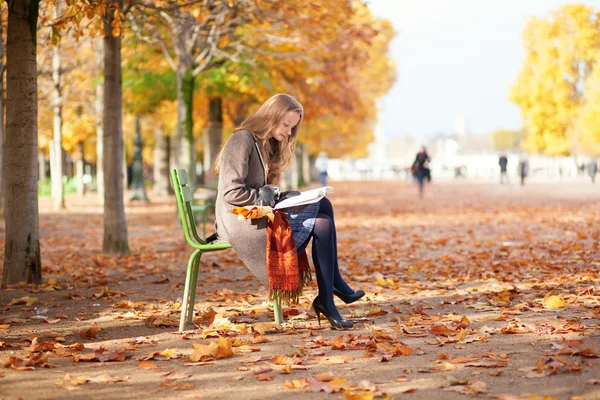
(421, 169)
(260, 149)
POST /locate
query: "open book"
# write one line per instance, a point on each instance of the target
(306, 197)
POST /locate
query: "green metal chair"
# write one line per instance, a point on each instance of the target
(183, 194)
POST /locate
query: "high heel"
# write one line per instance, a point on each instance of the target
(349, 298)
(335, 323)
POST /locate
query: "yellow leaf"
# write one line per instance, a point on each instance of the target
(169, 353)
(23, 300)
(213, 350)
(553, 302)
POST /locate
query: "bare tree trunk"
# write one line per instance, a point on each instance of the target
(2, 67)
(305, 164)
(56, 153)
(79, 168)
(213, 139)
(99, 110)
(125, 175)
(294, 171)
(115, 224)
(22, 262)
(161, 164)
(185, 151)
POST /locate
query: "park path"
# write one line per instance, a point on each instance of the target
(479, 290)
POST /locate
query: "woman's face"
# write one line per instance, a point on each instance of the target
(284, 128)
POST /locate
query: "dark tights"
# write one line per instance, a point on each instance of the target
(325, 258)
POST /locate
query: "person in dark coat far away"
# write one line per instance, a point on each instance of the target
(523, 169)
(421, 169)
(503, 162)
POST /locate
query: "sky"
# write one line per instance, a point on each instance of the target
(456, 60)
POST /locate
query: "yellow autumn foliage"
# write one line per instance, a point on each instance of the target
(552, 87)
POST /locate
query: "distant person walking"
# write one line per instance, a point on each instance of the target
(503, 162)
(523, 169)
(321, 166)
(421, 169)
(593, 169)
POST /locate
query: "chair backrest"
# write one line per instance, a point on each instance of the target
(183, 193)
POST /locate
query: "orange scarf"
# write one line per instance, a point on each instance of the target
(288, 270)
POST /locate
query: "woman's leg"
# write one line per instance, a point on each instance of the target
(323, 256)
(325, 207)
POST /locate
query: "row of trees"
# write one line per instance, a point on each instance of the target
(188, 69)
(558, 89)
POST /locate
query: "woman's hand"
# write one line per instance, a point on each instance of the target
(267, 195)
(287, 194)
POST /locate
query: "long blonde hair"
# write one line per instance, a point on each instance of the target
(277, 155)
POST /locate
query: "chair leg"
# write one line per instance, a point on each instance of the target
(194, 283)
(277, 311)
(186, 291)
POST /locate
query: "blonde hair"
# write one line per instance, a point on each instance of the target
(277, 155)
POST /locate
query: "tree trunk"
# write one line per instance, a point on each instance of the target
(22, 262)
(294, 171)
(2, 50)
(213, 139)
(305, 165)
(56, 155)
(98, 109)
(79, 167)
(162, 150)
(115, 224)
(184, 142)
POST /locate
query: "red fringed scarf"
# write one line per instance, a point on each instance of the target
(288, 270)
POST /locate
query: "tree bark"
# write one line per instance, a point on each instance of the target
(305, 165)
(115, 224)
(22, 262)
(2, 66)
(162, 150)
(185, 150)
(294, 171)
(213, 139)
(79, 168)
(56, 155)
(99, 110)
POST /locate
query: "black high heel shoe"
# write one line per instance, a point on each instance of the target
(335, 323)
(349, 298)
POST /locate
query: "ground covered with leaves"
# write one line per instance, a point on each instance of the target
(479, 290)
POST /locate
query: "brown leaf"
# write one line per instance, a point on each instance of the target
(440, 330)
(263, 327)
(160, 320)
(90, 332)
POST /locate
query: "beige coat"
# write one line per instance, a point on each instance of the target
(242, 174)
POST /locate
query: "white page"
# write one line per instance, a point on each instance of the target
(306, 197)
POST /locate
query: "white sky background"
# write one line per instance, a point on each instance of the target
(456, 58)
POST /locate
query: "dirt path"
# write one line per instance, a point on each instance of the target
(478, 290)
